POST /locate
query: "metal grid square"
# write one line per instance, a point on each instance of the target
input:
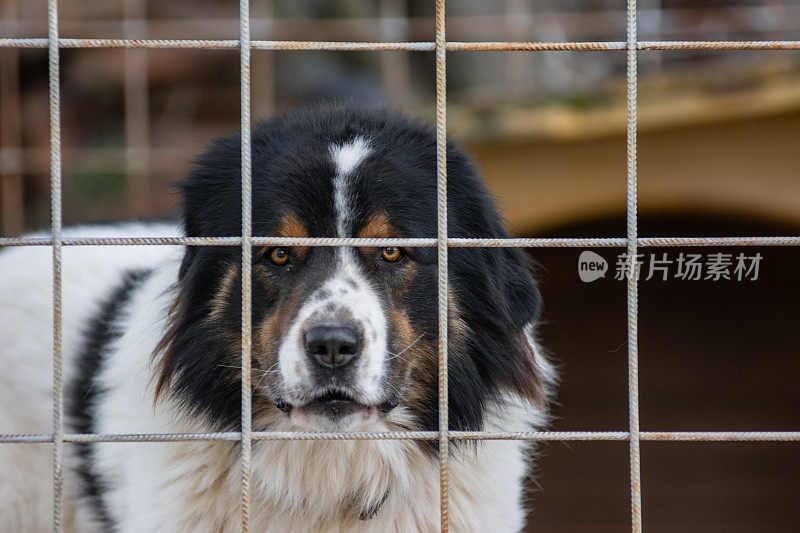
(442, 243)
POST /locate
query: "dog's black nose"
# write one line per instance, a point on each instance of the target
(333, 346)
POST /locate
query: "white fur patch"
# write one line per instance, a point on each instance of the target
(346, 157)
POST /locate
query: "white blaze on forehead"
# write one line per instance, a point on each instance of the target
(346, 292)
(346, 157)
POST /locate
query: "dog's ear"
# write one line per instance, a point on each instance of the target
(497, 296)
(499, 303)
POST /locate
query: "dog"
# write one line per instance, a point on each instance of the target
(343, 339)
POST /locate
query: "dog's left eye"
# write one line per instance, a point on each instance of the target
(279, 256)
(391, 254)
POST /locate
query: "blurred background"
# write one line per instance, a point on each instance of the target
(718, 155)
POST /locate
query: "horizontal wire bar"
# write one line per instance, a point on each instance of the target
(123, 241)
(420, 46)
(123, 437)
(665, 436)
(345, 46)
(719, 241)
(456, 242)
(124, 43)
(718, 45)
(309, 45)
(533, 46)
(721, 436)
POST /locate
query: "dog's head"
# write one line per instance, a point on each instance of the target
(346, 336)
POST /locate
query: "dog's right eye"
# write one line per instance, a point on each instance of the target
(279, 256)
(391, 254)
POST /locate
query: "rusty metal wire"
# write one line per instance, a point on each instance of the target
(418, 46)
(442, 251)
(247, 259)
(54, 96)
(552, 436)
(582, 46)
(719, 241)
(631, 79)
(455, 242)
(718, 45)
(345, 46)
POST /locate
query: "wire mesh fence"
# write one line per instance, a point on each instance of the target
(632, 241)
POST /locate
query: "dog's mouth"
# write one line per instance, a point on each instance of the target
(335, 404)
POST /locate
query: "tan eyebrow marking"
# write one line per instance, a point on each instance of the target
(378, 227)
(289, 226)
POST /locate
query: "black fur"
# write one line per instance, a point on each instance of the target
(83, 392)
(292, 171)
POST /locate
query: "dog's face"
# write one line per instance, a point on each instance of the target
(344, 337)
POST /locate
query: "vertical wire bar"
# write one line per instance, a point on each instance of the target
(55, 216)
(632, 287)
(247, 250)
(441, 245)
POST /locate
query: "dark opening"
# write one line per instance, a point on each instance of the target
(713, 355)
